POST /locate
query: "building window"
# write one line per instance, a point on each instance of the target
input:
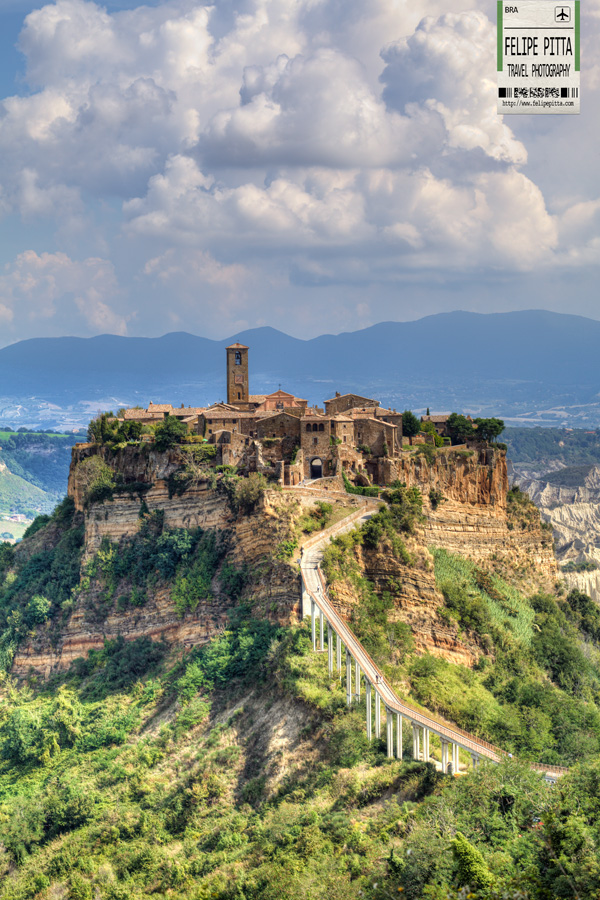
(238, 357)
(315, 427)
(239, 396)
(315, 440)
(321, 427)
(308, 428)
(344, 438)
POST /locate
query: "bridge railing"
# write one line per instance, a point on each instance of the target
(420, 715)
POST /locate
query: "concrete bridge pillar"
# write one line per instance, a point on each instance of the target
(416, 741)
(330, 649)
(475, 758)
(348, 677)
(369, 719)
(425, 744)
(455, 758)
(389, 728)
(313, 622)
(305, 599)
(399, 735)
(321, 631)
(357, 681)
(339, 653)
(444, 756)
(377, 715)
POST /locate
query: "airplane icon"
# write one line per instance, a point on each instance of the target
(562, 14)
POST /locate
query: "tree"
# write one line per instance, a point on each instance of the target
(95, 479)
(102, 429)
(169, 433)
(460, 428)
(410, 424)
(489, 429)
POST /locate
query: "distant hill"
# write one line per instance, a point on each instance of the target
(33, 475)
(529, 367)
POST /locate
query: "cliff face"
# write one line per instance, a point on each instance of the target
(465, 513)
(252, 541)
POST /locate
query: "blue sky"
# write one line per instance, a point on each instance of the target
(315, 165)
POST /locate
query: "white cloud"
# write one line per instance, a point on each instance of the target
(220, 149)
(45, 291)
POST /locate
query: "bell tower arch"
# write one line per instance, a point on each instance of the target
(238, 389)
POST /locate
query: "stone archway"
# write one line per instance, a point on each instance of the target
(316, 467)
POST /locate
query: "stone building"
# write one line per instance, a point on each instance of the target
(343, 402)
(279, 434)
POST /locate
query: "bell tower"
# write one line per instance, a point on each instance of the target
(237, 375)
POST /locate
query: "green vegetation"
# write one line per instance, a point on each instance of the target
(142, 775)
(587, 566)
(360, 491)
(411, 425)
(539, 693)
(188, 558)
(317, 518)
(573, 447)
(39, 587)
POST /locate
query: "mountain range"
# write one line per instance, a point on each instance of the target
(534, 367)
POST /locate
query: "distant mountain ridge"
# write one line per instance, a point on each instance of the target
(518, 364)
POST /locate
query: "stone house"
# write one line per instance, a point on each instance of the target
(341, 403)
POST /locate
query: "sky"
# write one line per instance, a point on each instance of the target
(313, 165)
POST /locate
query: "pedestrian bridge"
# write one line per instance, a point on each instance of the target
(331, 634)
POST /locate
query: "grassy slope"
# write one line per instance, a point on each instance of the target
(19, 495)
(37, 468)
(237, 771)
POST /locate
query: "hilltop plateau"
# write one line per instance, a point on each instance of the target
(168, 731)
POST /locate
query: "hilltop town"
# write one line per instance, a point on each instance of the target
(351, 435)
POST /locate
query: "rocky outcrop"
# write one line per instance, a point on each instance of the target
(464, 497)
(569, 500)
(472, 477)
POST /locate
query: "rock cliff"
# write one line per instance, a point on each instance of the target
(464, 507)
(465, 511)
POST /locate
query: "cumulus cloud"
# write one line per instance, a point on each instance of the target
(49, 291)
(218, 149)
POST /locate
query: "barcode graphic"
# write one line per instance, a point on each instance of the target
(505, 92)
(574, 92)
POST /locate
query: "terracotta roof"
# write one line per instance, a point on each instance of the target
(139, 414)
(443, 418)
(273, 413)
(220, 405)
(237, 346)
(227, 414)
(352, 394)
(373, 419)
(257, 398)
(190, 410)
(159, 407)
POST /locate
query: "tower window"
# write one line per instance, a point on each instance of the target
(238, 357)
(321, 426)
(239, 396)
(308, 428)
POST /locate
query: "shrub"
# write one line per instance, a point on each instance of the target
(95, 479)
(249, 491)
(169, 434)
(472, 870)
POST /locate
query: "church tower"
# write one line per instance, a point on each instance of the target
(237, 375)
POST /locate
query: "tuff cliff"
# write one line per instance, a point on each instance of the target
(467, 511)
(464, 511)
